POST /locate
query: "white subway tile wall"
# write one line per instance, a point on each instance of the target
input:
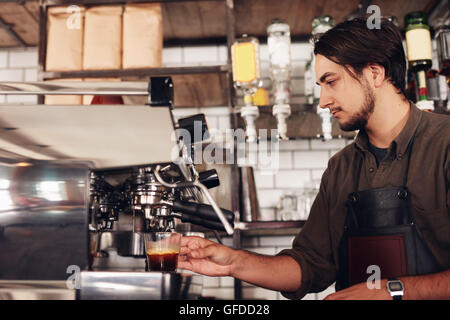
(17, 65)
(292, 179)
(268, 198)
(22, 58)
(311, 159)
(172, 57)
(223, 55)
(264, 180)
(286, 160)
(316, 174)
(300, 161)
(326, 145)
(201, 55)
(21, 99)
(30, 75)
(11, 75)
(3, 59)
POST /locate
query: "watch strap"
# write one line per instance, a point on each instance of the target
(398, 296)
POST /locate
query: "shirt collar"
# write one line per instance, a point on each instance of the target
(402, 140)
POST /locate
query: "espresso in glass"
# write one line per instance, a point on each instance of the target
(162, 261)
(162, 250)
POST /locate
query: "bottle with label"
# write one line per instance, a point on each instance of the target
(246, 77)
(419, 52)
(245, 63)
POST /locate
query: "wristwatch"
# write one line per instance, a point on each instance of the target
(395, 288)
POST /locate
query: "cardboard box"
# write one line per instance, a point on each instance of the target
(142, 36)
(65, 27)
(103, 38)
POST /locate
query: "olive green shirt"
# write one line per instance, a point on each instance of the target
(315, 248)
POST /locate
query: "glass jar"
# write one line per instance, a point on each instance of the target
(287, 207)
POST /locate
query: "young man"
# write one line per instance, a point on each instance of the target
(383, 204)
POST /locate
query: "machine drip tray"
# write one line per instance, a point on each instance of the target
(139, 286)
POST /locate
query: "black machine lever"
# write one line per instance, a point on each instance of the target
(209, 178)
(201, 210)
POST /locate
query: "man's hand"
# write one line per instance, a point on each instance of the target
(281, 273)
(360, 291)
(435, 286)
(205, 257)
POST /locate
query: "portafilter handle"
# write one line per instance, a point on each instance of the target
(214, 225)
(201, 210)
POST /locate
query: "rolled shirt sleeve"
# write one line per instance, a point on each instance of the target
(312, 248)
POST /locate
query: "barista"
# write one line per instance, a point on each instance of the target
(384, 200)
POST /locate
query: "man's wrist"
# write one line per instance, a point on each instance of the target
(236, 259)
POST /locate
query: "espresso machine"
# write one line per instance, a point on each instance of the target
(80, 186)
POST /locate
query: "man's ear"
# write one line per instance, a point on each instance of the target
(377, 73)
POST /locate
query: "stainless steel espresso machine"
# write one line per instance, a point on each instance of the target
(81, 185)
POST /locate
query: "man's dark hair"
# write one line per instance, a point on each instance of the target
(352, 43)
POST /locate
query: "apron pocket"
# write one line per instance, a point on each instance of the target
(389, 248)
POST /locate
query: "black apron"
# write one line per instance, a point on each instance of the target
(380, 230)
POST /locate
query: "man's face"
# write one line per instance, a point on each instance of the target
(350, 101)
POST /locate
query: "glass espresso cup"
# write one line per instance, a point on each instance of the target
(162, 250)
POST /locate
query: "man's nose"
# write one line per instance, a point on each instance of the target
(325, 101)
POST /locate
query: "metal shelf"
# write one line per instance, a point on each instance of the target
(261, 228)
(144, 72)
(269, 225)
(270, 228)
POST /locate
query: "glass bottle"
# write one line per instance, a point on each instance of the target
(320, 25)
(279, 45)
(245, 61)
(246, 77)
(419, 51)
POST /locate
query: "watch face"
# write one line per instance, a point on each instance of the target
(395, 286)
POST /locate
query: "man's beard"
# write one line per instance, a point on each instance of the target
(359, 120)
